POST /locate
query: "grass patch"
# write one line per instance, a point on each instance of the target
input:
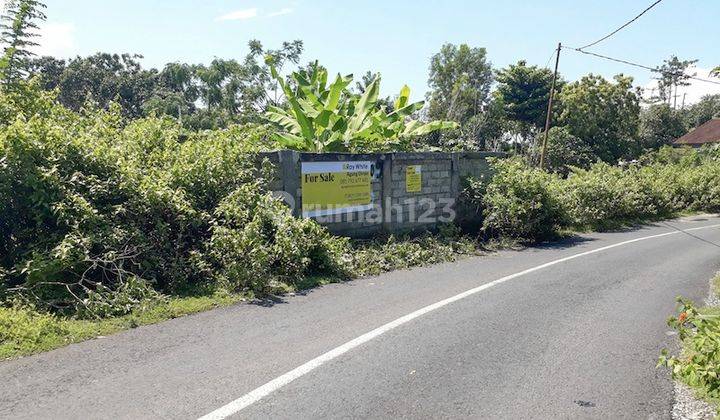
(25, 331)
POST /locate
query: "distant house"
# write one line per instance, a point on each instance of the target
(707, 133)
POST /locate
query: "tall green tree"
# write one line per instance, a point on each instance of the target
(103, 78)
(660, 125)
(460, 80)
(673, 73)
(244, 90)
(175, 92)
(707, 108)
(201, 96)
(18, 26)
(48, 69)
(604, 114)
(524, 91)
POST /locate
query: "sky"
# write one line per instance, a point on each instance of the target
(394, 37)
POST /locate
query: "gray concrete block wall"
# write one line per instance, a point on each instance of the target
(413, 210)
(395, 210)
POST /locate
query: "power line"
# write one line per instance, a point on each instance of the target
(620, 28)
(653, 69)
(552, 54)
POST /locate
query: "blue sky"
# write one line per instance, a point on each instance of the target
(394, 37)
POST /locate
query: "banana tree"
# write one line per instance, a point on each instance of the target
(325, 117)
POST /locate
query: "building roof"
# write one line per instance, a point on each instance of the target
(706, 133)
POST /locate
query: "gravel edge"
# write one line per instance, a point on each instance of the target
(688, 406)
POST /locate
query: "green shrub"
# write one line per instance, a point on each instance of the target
(605, 195)
(565, 151)
(102, 214)
(699, 363)
(256, 241)
(522, 202)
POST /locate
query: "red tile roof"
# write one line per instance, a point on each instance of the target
(706, 133)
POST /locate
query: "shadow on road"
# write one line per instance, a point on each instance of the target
(567, 242)
(666, 224)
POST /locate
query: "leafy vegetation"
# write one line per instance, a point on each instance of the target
(200, 96)
(326, 117)
(523, 92)
(18, 26)
(698, 364)
(520, 202)
(132, 195)
(526, 203)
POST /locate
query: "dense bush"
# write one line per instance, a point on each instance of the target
(565, 151)
(521, 202)
(256, 240)
(98, 214)
(526, 203)
(605, 194)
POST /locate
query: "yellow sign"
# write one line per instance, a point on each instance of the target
(413, 178)
(335, 187)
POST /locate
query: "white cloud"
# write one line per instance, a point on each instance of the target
(56, 39)
(692, 93)
(239, 15)
(283, 11)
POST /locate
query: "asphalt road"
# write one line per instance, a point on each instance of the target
(578, 337)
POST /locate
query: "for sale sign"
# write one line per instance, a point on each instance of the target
(335, 187)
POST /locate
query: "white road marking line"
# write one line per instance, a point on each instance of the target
(277, 383)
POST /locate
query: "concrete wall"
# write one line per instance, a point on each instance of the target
(394, 209)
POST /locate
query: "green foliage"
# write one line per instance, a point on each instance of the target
(326, 117)
(482, 131)
(256, 243)
(605, 195)
(526, 203)
(605, 115)
(703, 111)
(660, 125)
(699, 363)
(521, 202)
(25, 331)
(673, 73)
(459, 81)
(393, 253)
(565, 151)
(18, 26)
(133, 295)
(524, 92)
(216, 95)
(96, 211)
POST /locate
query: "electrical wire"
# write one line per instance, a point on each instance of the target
(552, 54)
(621, 28)
(653, 69)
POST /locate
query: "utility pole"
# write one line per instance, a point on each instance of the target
(549, 108)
